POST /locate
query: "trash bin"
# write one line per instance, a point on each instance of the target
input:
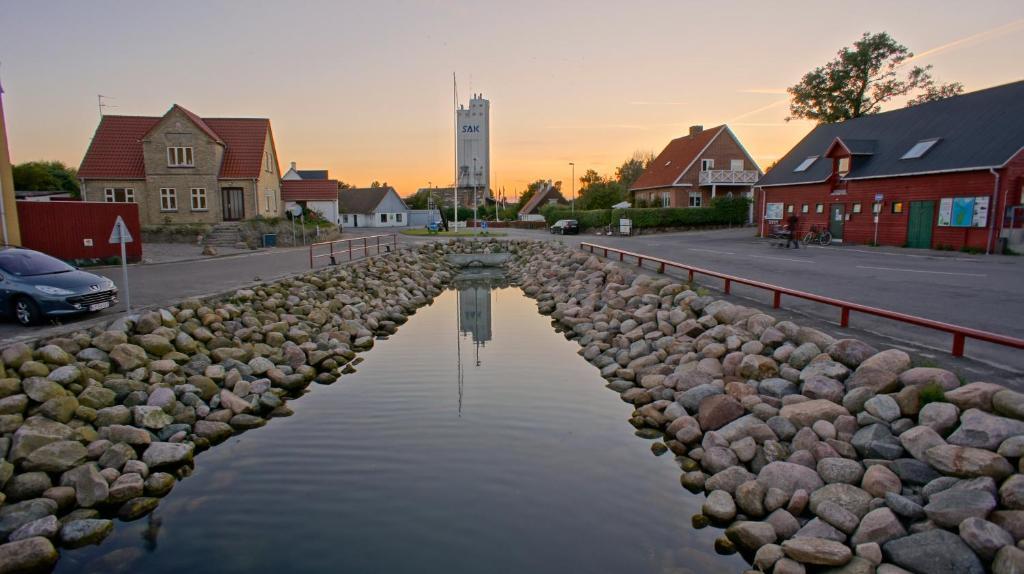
(269, 240)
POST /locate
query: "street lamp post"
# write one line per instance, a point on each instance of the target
(476, 220)
(573, 204)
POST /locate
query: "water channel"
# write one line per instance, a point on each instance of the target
(473, 440)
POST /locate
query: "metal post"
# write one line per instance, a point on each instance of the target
(124, 270)
(302, 220)
(958, 345)
(573, 204)
(349, 249)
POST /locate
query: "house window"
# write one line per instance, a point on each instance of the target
(707, 164)
(920, 148)
(843, 166)
(119, 195)
(398, 217)
(856, 208)
(666, 199)
(168, 199)
(789, 209)
(736, 165)
(805, 208)
(696, 199)
(344, 218)
(806, 163)
(179, 157)
(383, 218)
(897, 207)
(198, 199)
(269, 166)
(819, 208)
(270, 200)
(876, 207)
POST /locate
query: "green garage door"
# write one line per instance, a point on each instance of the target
(919, 228)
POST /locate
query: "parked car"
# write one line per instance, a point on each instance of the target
(34, 285)
(564, 226)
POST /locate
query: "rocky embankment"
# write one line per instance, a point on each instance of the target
(101, 423)
(816, 454)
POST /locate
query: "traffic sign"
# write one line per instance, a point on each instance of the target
(879, 197)
(120, 233)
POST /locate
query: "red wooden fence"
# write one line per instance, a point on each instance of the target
(78, 229)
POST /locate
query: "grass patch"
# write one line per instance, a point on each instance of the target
(465, 233)
(932, 393)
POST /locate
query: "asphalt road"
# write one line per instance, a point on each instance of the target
(975, 291)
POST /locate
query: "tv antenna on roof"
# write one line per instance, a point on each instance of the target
(101, 105)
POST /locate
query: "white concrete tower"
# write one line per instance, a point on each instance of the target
(474, 146)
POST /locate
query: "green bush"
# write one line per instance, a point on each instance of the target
(932, 393)
(722, 211)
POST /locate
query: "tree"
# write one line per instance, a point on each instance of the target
(530, 190)
(858, 81)
(632, 168)
(45, 176)
(376, 184)
(934, 93)
(601, 195)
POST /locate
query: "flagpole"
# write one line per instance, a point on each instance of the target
(455, 110)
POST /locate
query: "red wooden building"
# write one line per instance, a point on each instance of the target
(946, 174)
(74, 230)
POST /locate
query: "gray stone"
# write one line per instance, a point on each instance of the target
(984, 537)
(879, 381)
(137, 508)
(56, 456)
(848, 496)
(782, 428)
(1011, 493)
(90, 486)
(35, 554)
(949, 507)
(933, 552)
(750, 499)
(719, 506)
(158, 484)
(818, 551)
(749, 535)
(805, 414)
(47, 527)
(26, 485)
(875, 441)
(940, 417)
(160, 454)
(784, 523)
(884, 407)
(904, 507)
(128, 435)
(34, 433)
(842, 470)
(967, 462)
(913, 471)
(1009, 560)
(837, 516)
(818, 387)
(879, 526)
(126, 487)
(921, 376)
(1009, 403)
(789, 477)
(151, 417)
(777, 388)
(692, 398)
(850, 352)
(14, 516)
(983, 430)
(78, 533)
(919, 439)
(879, 480)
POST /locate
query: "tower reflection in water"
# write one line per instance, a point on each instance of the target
(474, 314)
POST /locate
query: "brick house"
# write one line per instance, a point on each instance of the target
(548, 194)
(695, 168)
(943, 174)
(181, 168)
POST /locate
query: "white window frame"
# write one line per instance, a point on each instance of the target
(920, 148)
(268, 166)
(198, 199)
(270, 200)
(180, 156)
(707, 164)
(736, 165)
(806, 164)
(839, 165)
(666, 199)
(168, 199)
(383, 218)
(696, 199)
(110, 194)
(398, 218)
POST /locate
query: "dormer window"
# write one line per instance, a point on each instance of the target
(179, 157)
(804, 165)
(843, 166)
(920, 148)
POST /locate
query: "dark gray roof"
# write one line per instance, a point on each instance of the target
(362, 199)
(312, 173)
(978, 130)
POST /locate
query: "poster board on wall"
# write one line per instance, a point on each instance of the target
(963, 211)
(980, 217)
(773, 211)
(945, 211)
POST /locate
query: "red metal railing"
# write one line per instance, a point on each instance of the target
(960, 334)
(349, 248)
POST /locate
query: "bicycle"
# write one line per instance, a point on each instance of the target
(820, 236)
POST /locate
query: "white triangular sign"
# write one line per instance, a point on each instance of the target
(120, 232)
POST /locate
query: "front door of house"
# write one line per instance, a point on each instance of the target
(232, 199)
(919, 224)
(836, 220)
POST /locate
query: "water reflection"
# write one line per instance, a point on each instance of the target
(473, 309)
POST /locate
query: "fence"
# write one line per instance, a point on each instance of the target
(960, 334)
(347, 249)
(78, 230)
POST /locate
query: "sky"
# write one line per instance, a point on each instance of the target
(364, 89)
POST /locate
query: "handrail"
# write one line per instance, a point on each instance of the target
(960, 333)
(366, 246)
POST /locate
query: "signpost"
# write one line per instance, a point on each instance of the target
(878, 213)
(120, 234)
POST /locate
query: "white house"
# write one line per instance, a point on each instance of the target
(372, 207)
(319, 195)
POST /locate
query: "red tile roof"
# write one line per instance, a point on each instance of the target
(309, 189)
(674, 159)
(545, 195)
(116, 148)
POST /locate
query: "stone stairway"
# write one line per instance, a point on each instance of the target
(224, 235)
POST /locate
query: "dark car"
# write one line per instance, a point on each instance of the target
(565, 226)
(34, 285)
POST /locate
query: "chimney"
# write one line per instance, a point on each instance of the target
(694, 130)
(293, 166)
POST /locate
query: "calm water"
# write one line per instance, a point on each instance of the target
(526, 465)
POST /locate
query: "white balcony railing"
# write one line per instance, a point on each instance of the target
(728, 177)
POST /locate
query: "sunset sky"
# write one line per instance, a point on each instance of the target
(364, 89)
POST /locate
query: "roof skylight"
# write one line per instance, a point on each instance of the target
(920, 148)
(806, 163)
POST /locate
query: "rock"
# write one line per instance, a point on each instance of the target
(65, 375)
(244, 421)
(97, 397)
(789, 477)
(767, 556)
(78, 533)
(745, 449)
(950, 507)
(974, 396)
(940, 417)
(875, 441)
(879, 480)
(848, 496)
(126, 487)
(1011, 521)
(687, 430)
(47, 527)
(56, 456)
(777, 388)
(919, 439)
(784, 523)
(904, 507)
(215, 432)
(921, 376)
(35, 554)
(41, 390)
(230, 400)
(14, 516)
(1009, 403)
(749, 536)
(158, 484)
(837, 516)
(818, 551)
(1009, 560)
(818, 387)
(983, 430)
(850, 352)
(116, 456)
(879, 526)
(719, 506)
(933, 552)
(1011, 493)
(878, 381)
(841, 470)
(984, 537)
(870, 551)
(26, 485)
(782, 428)
(1012, 447)
(137, 508)
(758, 367)
(128, 435)
(967, 462)
(718, 410)
(692, 398)
(806, 413)
(163, 398)
(128, 357)
(750, 499)
(160, 454)
(151, 417)
(717, 458)
(883, 407)
(90, 487)
(892, 360)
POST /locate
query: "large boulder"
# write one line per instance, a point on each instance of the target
(933, 552)
(128, 357)
(806, 413)
(850, 352)
(14, 516)
(36, 432)
(91, 488)
(818, 551)
(879, 526)
(854, 499)
(967, 462)
(159, 454)
(921, 376)
(789, 477)
(35, 554)
(974, 396)
(1009, 403)
(57, 456)
(950, 507)
(893, 360)
(983, 430)
(715, 411)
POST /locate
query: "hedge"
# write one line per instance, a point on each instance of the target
(723, 211)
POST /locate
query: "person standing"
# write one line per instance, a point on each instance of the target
(792, 222)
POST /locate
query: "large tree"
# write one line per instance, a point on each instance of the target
(860, 79)
(601, 194)
(632, 168)
(45, 176)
